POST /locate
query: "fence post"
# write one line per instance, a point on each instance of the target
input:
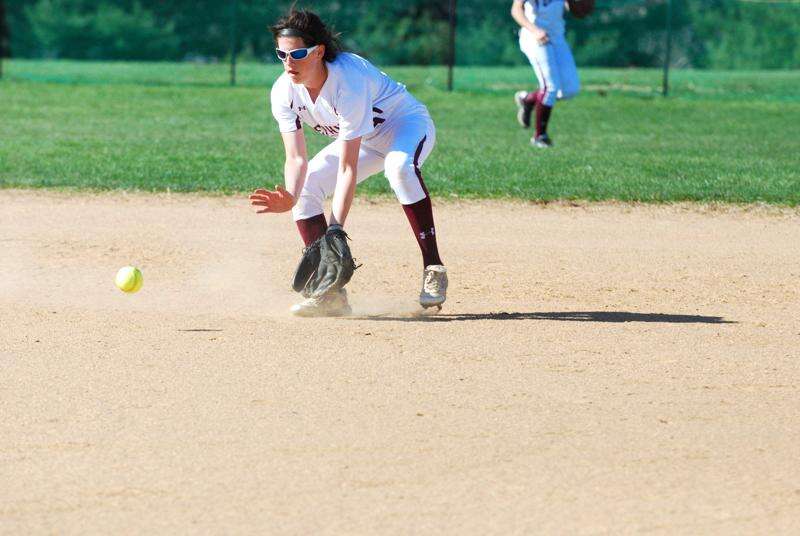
(4, 35)
(667, 50)
(451, 55)
(234, 38)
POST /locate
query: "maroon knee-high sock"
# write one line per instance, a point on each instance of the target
(542, 117)
(312, 228)
(420, 216)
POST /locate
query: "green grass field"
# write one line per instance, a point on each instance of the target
(720, 136)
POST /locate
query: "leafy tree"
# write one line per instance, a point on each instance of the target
(729, 34)
(66, 28)
(736, 35)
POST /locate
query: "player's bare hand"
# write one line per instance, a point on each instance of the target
(541, 36)
(278, 200)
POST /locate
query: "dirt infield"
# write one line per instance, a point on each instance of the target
(596, 369)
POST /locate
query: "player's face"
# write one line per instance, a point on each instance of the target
(300, 71)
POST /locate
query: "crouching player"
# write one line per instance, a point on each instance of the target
(376, 125)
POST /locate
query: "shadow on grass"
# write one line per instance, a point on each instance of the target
(571, 316)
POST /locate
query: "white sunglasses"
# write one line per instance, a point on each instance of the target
(296, 54)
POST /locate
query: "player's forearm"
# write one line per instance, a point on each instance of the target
(294, 175)
(345, 181)
(518, 15)
(343, 194)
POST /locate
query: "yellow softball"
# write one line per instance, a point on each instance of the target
(129, 279)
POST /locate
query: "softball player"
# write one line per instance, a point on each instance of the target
(376, 125)
(542, 40)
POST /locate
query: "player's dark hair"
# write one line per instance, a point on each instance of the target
(309, 27)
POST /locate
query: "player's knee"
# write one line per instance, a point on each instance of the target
(397, 166)
(307, 206)
(402, 175)
(550, 96)
(312, 198)
(571, 90)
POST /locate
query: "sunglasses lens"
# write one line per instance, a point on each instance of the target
(281, 54)
(299, 54)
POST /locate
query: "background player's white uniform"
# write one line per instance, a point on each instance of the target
(356, 100)
(553, 62)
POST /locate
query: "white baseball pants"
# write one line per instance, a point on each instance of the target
(399, 150)
(554, 67)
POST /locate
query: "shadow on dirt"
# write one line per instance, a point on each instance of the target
(571, 316)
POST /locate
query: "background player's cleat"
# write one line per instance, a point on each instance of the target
(333, 303)
(542, 141)
(523, 109)
(434, 286)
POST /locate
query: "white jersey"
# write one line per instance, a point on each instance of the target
(546, 14)
(355, 101)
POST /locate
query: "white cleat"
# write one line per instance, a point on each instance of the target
(333, 303)
(523, 109)
(542, 141)
(434, 286)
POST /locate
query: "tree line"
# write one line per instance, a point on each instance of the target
(721, 34)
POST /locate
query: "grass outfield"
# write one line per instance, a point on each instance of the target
(729, 137)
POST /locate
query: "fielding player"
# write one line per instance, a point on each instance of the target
(542, 40)
(376, 125)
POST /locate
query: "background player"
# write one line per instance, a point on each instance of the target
(542, 40)
(376, 125)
